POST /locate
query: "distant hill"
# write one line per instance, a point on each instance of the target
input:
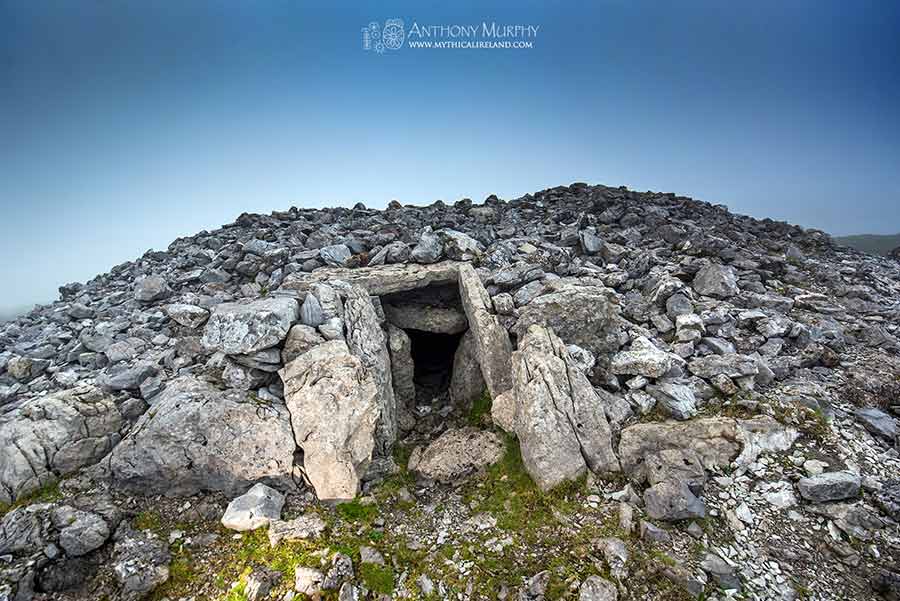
(871, 243)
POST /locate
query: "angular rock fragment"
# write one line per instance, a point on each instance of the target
(246, 327)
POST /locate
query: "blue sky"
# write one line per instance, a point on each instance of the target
(126, 124)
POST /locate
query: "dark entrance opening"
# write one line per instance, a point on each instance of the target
(432, 355)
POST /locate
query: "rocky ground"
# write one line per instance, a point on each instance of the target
(645, 397)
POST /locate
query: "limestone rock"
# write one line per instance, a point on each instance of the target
(246, 327)
(300, 528)
(493, 348)
(196, 438)
(256, 508)
(559, 418)
(644, 359)
(716, 280)
(367, 340)
(582, 315)
(466, 382)
(140, 562)
(53, 436)
(402, 368)
(717, 441)
(334, 407)
(80, 532)
(457, 453)
(190, 316)
(300, 339)
(670, 500)
(595, 588)
(151, 288)
(829, 486)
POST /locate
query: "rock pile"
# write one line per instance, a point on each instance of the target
(694, 352)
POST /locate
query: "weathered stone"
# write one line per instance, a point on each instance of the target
(140, 562)
(644, 359)
(402, 368)
(196, 438)
(716, 280)
(55, 435)
(151, 288)
(334, 408)
(337, 255)
(717, 441)
(430, 248)
(724, 574)
(308, 581)
(367, 340)
(676, 399)
(300, 528)
(378, 281)
(466, 382)
(830, 486)
(123, 377)
(456, 453)
(672, 501)
(190, 316)
(459, 246)
(441, 320)
(731, 365)
(582, 315)
(877, 422)
(300, 339)
(595, 588)
(254, 509)
(559, 417)
(246, 327)
(493, 348)
(80, 532)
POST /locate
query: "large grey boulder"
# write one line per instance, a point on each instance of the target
(198, 438)
(336, 255)
(558, 416)
(300, 339)
(672, 500)
(493, 348)
(676, 399)
(334, 408)
(830, 486)
(877, 422)
(459, 246)
(254, 509)
(643, 359)
(367, 340)
(245, 327)
(582, 315)
(716, 280)
(717, 441)
(80, 532)
(456, 453)
(466, 382)
(732, 365)
(151, 288)
(430, 248)
(55, 435)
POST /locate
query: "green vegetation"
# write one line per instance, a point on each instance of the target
(47, 494)
(377, 578)
(149, 520)
(875, 244)
(355, 511)
(481, 410)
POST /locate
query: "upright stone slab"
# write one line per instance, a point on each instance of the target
(466, 382)
(367, 340)
(492, 346)
(402, 368)
(559, 418)
(334, 405)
